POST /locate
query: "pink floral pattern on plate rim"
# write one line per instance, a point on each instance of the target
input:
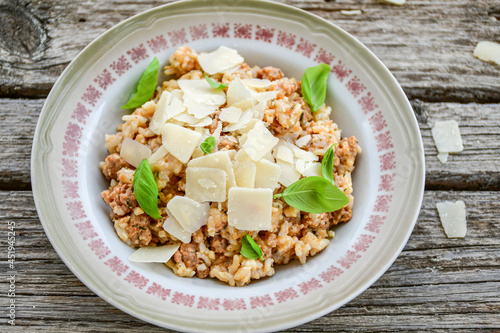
(172, 39)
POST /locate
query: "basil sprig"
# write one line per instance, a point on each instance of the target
(250, 249)
(327, 164)
(314, 85)
(208, 145)
(315, 194)
(146, 189)
(146, 86)
(214, 84)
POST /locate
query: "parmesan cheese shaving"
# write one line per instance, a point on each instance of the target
(158, 155)
(219, 61)
(303, 140)
(179, 141)
(244, 173)
(267, 174)
(443, 157)
(160, 254)
(230, 114)
(134, 152)
(446, 134)
(219, 160)
(256, 83)
(206, 184)
(260, 141)
(250, 208)
(190, 214)
(488, 51)
(237, 92)
(396, 2)
(174, 108)
(452, 216)
(160, 117)
(172, 226)
(289, 174)
(351, 12)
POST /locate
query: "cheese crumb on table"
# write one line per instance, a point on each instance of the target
(452, 216)
(447, 137)
(396, 2)
(352, 12)
(488, 51)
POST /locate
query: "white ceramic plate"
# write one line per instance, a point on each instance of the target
(367, 101)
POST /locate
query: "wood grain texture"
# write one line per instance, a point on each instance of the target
(476, 168)
(436, 283)
(429, 51)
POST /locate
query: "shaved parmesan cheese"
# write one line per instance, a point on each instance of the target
(139, 119)
(200, 98)
(134, 152)
(260, 141)
(242, 156)
(312, 169)
(176, 93)
(265, 96)
(488, 51)
(230, 114)
(248, 126)
(219, 60)
(443, 157)
(244, 172)
(206, 184)
(174, 108)
(256, 83)
(160, 117)
(186, 118)
(190, 214)
(300, 166)
(218, 160)
(396, 2)
(303, 140)
(231, 153)
(174, 228)
(154, 254)
(203, 122)
(267, 174)
(452, 216)
(259, 110)
(198, 152)
(304, 155)
(242, 139)
(446, 134)
(158, 155)
(244, 119)
(245, 104)
(180, 141)
(289, 174)
(352, 12)
(285, 154)
(237, 91)
(250, 208)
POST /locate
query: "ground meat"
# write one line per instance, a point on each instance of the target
(323, 134)
(226, 143)
(138, 230)
(270, 73)
(187, 254)
(218, 244)
(120, 198)
(112, 165)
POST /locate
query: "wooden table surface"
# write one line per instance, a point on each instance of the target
(436, 283)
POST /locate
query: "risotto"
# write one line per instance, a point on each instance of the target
(265, 138)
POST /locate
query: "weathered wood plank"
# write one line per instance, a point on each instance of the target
(476, 168)
(436, 283)
(429, 52)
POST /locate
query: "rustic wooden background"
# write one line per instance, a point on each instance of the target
(437, 283)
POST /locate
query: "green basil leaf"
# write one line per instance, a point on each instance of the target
(214, 84)
(315, 195)
(250, 249)
(146, 86)
(327, 164)
(146, 189)
(314, 85)
(208, 145)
